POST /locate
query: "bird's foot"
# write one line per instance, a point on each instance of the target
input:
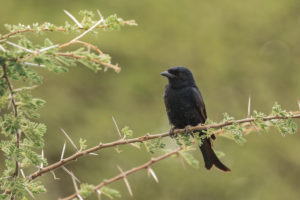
(171, 133)
(187, 130)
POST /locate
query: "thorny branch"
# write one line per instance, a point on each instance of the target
(60, 29)
(15, 109)
(126, 173)
(146, 137)
(107, 65)
(99, 24)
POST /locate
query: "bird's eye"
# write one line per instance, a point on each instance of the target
(174, 72)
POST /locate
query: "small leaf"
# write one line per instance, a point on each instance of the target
(127, 131)
(110, 193)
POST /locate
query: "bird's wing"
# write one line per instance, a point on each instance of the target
(199, 103)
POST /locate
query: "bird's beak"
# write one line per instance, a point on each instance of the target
(167, 74)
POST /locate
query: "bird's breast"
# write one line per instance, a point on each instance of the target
(181, 108)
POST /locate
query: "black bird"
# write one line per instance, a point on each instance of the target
(185, 107)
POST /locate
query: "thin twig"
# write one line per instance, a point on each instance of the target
(131, 171)
(61, 29)
(109, 65)
(88, 45)
(146, 137)
(54, 176)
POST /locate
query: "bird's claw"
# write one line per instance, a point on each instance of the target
(187, 130)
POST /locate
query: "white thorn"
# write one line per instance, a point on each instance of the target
(22, 172)
(249, 106)
(85, 32)
(99, 194)
(29, 192)
(63, 151)
(20, 47)
(94, 154)
(47, 48)
(71, 141)
(33, 64)
(126, 181)
(42, 164)
(70, 173)
(101, 17)
(73, 18)
(135, 145)
(150, 171)
(80, 198)
(118, 130)
(2, 48)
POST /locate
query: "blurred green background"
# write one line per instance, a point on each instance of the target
(234, 48)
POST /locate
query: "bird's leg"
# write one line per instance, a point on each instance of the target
(171, 132)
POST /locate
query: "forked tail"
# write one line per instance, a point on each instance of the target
(210, 158)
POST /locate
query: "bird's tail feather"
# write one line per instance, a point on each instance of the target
(210, 158)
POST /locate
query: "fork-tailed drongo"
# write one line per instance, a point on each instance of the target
(185, 106)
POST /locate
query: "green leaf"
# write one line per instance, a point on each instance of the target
(35, 187)
(110, 193)
(82, 144)
(86, 190)
(127, 131)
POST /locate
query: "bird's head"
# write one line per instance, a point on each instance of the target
(179, 77)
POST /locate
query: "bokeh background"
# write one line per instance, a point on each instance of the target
(234, 48)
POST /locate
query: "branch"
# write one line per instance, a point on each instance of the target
(108, 65)
(83, 43)
(126, 173)
(15, 109)
(58, 29)
(146, 137)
